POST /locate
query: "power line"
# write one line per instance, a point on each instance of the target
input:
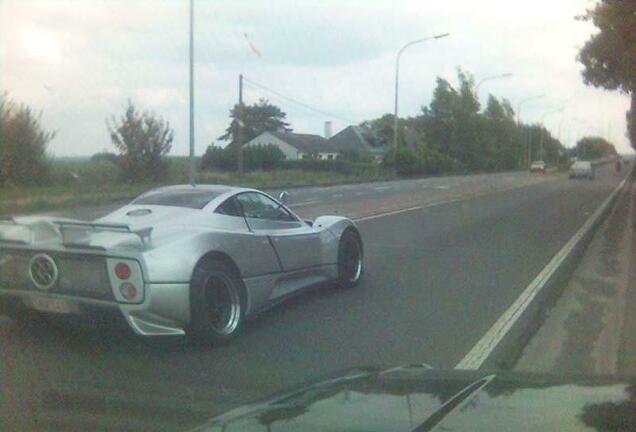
(288, 106)
(304, 105)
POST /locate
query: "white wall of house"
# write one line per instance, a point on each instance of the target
(290, 152)
(321, 156)
(327, 156)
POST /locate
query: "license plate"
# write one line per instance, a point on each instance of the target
(52, 305)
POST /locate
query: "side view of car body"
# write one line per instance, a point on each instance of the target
(176, 260)
(538, 166)
(582, 169)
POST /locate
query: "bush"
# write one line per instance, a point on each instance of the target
(262, 157)
(408, 163)
(434, 162)
(422, 161)
(218, 158)
(355, 156)
(255, 158)
(23, 145)
(334, 165)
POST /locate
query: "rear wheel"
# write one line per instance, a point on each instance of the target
(350, 259)
(216, 303)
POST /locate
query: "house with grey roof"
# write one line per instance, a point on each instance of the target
(361, 140)
(297, 146)
(308, 146)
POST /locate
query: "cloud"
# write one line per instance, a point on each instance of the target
(79, 62)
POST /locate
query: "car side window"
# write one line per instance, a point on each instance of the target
(259, 206)
(229, 207)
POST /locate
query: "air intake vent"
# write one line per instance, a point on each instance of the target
(140, 212)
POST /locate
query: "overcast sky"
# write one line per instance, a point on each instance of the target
(80, 61)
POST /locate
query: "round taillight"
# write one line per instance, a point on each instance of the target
(122, 271)
(128, 291)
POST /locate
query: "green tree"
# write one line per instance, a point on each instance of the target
(502, 140)
(143, 141)
(23, 145)
(591, 148)
(439, 116)
(257, 118)
(382, 127)
(609, 56)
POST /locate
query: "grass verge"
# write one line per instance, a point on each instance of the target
(15, 200)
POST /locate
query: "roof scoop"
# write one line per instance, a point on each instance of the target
(139, 212)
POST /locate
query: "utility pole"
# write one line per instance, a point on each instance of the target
(192, 161)
(239, 132)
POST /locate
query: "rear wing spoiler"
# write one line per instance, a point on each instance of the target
(13, 232)
(73, 234)
(78, 234)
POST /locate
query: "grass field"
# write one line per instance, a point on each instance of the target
(77, 182)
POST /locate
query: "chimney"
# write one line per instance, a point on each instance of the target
(327, 129)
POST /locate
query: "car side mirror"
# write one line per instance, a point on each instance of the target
(283, 197)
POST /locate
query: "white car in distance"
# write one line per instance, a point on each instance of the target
(582, 169)
(538, 166)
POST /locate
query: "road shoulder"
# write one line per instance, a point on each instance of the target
(585, 330)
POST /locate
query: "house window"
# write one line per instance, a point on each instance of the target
(330, 157)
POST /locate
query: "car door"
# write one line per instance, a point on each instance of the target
(297, 244)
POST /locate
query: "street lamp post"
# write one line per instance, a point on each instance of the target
(490, 78)
(397, 80)
(541, 136)
(519, 106)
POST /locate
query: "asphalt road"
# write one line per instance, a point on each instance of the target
(444, 258)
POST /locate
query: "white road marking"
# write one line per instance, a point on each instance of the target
(394, 212)
(304, 203)
(408, 209)
(383, 188)
(486, 345)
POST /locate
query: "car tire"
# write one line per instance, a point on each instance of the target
(217, 303)
(350, 259)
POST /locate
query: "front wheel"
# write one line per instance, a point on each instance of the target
(350, 259)
(216, 303)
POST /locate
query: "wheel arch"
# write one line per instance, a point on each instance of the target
(218, 256)
(355, 231)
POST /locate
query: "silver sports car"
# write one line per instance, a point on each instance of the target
(176, 260)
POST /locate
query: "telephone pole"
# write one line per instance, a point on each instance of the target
(192, 161)
(239, 131)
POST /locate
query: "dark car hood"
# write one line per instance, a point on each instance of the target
(417, 398)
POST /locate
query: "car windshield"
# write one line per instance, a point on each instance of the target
(208, 203)
(177, 198)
